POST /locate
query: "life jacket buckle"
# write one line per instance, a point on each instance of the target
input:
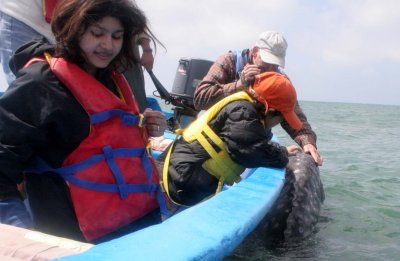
(149, 150)
(141, 120)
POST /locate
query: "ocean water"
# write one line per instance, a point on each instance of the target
(360, 219)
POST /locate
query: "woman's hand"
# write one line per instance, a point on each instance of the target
(147, 59)
(155, 122)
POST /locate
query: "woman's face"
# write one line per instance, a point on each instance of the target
(101, 42)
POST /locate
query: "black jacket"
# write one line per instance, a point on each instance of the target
(246, 140)
(39, 117)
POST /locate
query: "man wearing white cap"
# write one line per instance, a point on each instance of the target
(236, 70)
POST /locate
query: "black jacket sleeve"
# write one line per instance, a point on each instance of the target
(38, 117)
(246, 139)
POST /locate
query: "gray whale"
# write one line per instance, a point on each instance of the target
(294, 215)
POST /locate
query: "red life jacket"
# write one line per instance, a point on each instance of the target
(111, 178)
(48, 8)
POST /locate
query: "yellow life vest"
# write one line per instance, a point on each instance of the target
(220, 164)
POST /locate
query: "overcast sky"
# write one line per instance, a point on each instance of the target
(339, 50)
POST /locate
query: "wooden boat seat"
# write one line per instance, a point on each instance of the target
(23, 244)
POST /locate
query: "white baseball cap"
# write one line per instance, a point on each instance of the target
(272, 47)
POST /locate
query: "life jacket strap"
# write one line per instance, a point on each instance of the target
(221, 166)
(164, 179)
(108, 155)
(127, 118)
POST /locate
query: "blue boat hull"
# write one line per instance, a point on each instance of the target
(210, 230)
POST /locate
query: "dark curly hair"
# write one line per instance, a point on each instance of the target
(71, 18)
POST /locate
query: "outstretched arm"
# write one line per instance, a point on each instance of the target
(305, 136)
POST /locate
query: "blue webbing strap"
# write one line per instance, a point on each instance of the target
(68, 174)
(104, 187)
(125, 188)
(146, 163)
(109, 154)
(127, 118)
(120, 181)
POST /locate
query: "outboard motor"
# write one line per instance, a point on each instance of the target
(189, 74)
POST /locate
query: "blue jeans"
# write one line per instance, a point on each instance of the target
(13, 34)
